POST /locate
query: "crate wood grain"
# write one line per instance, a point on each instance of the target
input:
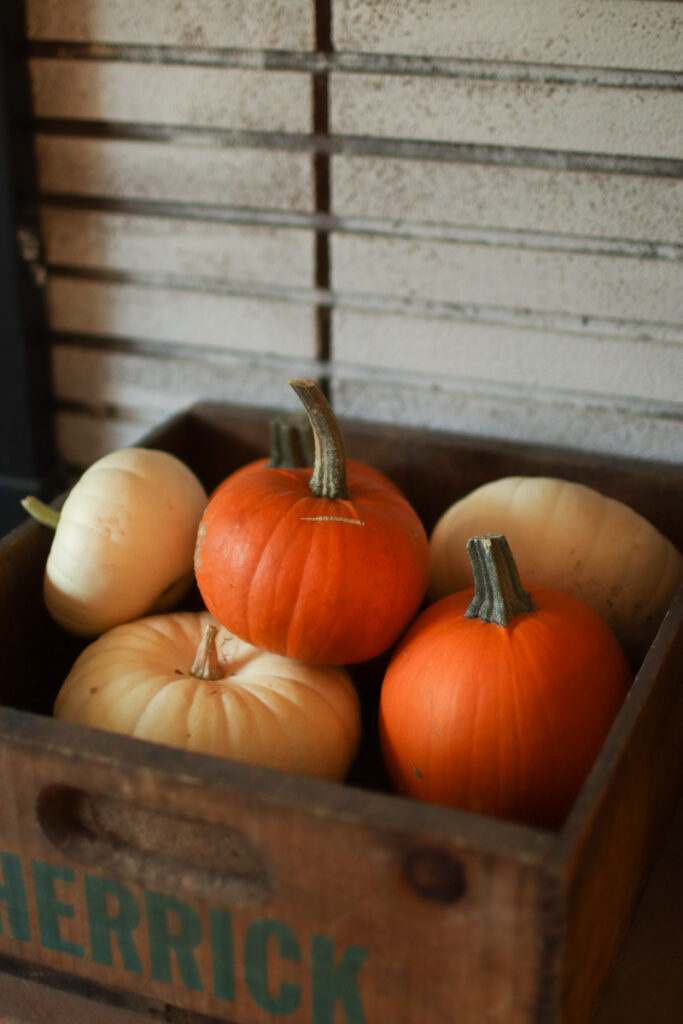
(160, 877)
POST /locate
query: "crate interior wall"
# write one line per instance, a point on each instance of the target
(456, 215)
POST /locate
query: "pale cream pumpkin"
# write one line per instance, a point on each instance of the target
(183, 680)
(124, 540)
(569, 537)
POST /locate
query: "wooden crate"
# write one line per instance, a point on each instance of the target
(185, 887)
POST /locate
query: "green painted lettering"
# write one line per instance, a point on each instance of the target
(102, 923)
(332, 983)
(182, 941)
(14, 891)
(223, 954)
(288, 995)
(51, 909)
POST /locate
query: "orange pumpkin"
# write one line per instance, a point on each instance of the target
(498, 699)
(325, 565)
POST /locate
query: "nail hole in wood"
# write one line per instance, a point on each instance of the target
(435, 874)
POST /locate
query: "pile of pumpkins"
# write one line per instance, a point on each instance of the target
(510, 630)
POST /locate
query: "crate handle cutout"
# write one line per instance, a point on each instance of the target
(152, 848)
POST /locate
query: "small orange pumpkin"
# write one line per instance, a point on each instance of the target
(498, 699)
(326, 565)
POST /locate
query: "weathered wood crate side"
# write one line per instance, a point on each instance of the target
(249, 895)
(32, 995)
(608, 843)
(359, 905)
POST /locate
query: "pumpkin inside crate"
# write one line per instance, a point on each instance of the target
(460, 917)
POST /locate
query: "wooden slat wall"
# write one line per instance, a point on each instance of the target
(468, 215)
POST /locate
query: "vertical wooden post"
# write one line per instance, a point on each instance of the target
(27, 454)
(323, 198)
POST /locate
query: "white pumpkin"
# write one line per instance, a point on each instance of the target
(124, 541)
(183, 680)
(570, 537)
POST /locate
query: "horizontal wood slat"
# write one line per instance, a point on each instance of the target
(577, 203)
(577, 283)
(126, 311)
(134, 379)
(479, 350)
(152, 170)
(83, 437)
(593, 424)
(260, 23)
(331, 224)
(615, 33)
(114, 241)
(161, 384)
(325, 62)
(204, 97)
(325, 146)
(564, 117)
(108, 397)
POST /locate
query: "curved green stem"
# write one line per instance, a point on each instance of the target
(42, 513)
(498, 592)
(329, 464)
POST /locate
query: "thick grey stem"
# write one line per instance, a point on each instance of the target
(498, 592)
(329, 465)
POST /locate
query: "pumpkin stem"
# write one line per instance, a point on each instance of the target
(498, 592)
(206, 664)
(291, 441)
(44, 514)
(328, 479)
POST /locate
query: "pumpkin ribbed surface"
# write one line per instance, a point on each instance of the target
(501, 720)
(267, 710)
(569, 537)
(124, 542)
(326, 565)
(322, 580)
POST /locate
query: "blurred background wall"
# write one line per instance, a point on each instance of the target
(460, 214)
